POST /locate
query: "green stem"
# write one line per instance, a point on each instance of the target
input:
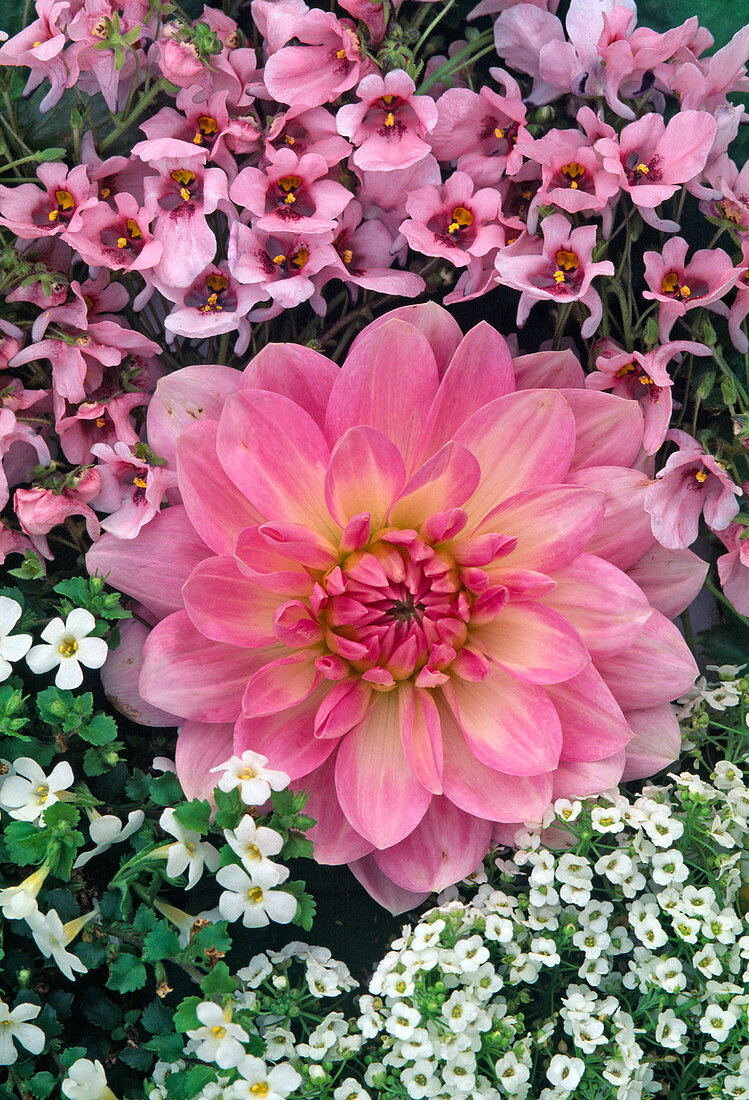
(564, 313)
(223, 348)
(443, 10)
(137, 111)
(459, 59)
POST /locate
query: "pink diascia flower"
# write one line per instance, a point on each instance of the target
(404, 582)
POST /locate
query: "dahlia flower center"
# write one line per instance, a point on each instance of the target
(395, 609)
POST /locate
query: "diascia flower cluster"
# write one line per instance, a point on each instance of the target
(424, 584)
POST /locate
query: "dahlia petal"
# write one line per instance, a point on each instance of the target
(276, 455)
(282, 683)
(344, 706)
(214, 505)
(226, 606)
(608, 429)
(593, 725)
(287, 738)
(200, 747)
(552, 525)
(136, 566)
(185, 673)
(334, 839)
(670, 579)
(525, 584)
(379, 794)
(384, 891)
(439, 327)
(274, 550)
(542, 369)
(304, 376)
(533, 643)
(420, 737)
(605, 607)
(295, 625)
(485, 792)
(445, 481)
(445, 846)
(520, 440)
(624, 534)
(656, 742)
(583, 779)
(656, 668)
(479, 371)
(190, 394)
(388, 381)
(120, 674)
(503, 713)
(365, 474)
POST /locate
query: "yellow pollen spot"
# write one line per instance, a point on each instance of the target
(558, 276)
(65, 201)
(101, 422)
(300, 257)
(289, 140)
(290, 198)
(573, 171)
(566, 260)
(36, 44)
(626, 369)
(290, 184)
(279, 259)
(218, 1031)
(685, 292)
(183, 176)
(255, 894)
(246, 773)
(347, 255)
(68, 647)
(133, 230)
(122, 242)
(42, 790)
(198, 139)
(185, 194)
(212, 299)
(645, 380)
(643, 169)
(53, 215)
(390, 119)
(388, 99)
(105, 192)
(499, 132)
(207, 125)
(260, 1088)
(217, 283)
(700, 475)
(140, 482)
(340, 54)
(670, 283)
(461, 218)
(253, 852)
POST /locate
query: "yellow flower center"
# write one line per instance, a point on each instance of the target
(460, 219)
(67, 647)
(290, 184)
(701, 476)
(255, 894)
(260, 1088)
(65, 204)
(573, 171)
(218, 1031)
(253, 852)
(184, 179)
(628, 368)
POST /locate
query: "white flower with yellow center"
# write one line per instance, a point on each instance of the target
(188, 851)
(253, 899)
(27, 793)
(249, 773)
(274, 1084)
(253, 844)
(12, 646)
(14, 1025)
(68, 647)
(218, 1040)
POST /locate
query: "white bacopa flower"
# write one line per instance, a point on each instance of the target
(218, 1040)
(249, 773)
(52, 938)
(106, 830)
(12, 646)
(253, 899)
(14, 1025)
(254, 844)
(17, 902)
(68, 647)
(27, 793)
(188, 851)
(272, 1084)
(87, 1080)
(565, 1072)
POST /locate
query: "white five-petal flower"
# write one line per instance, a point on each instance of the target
(12, 646)
(188, 850)
(27, 793)
(68, 647)
(106, 830)
(14, 1025)
(87, 1080)
(249, 773)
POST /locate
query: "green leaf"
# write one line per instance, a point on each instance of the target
(194, 815)
(297, 847)
(13, 715)
(139, 1058)
(161, 943)
(41, 1084)
(229, 808)
(61, 814)
(186, 1018)
(102, 1011)
(126, 974)
(26, 843)
(219, 980)
(138, 786)
(189, 1083)
(306, 907)
(61, 708)
(101, 758)
(32, 568)
(70, 1055)
(165, 790)
(145, 919)
(100, 730)
(213, 937)
(156, 1017)
(168, 1047)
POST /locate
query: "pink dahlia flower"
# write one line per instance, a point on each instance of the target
(404, 583)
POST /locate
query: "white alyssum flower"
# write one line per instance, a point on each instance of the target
(12, 646)
(68, 647)
(350, 1089)
(106, 830)
(253, 898)
(27, 793)
(718, 1021)
(188, 853)
(565, 1072)
(670, 1030)
(249, 773)
(87, 1080)
(14, 1025)
(218, 1040)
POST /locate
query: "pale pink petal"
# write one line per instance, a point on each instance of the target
(276, 455)
(379, 794)
(609, 429)
(501, 713)
(120, 674)
(586, 778)
(521, 440)
(216, 508)
(200, 747)
(304, 376)
(286, 739)
(533, 643)
(439, 327)
(334, 839)
(656, 742)
(282, 683)
(602, 603)
(593, 725)
(445, 481)
(384, 891)
(365, 474)
(185, 673)
(388, 381)
(657, 667)
(137, 566)
(624, 534)
(447, 845)
(542, 369)
(670, 579)
(193, 393)
(485, 792)
(344, 706)
(421, 737)
(226, 606)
